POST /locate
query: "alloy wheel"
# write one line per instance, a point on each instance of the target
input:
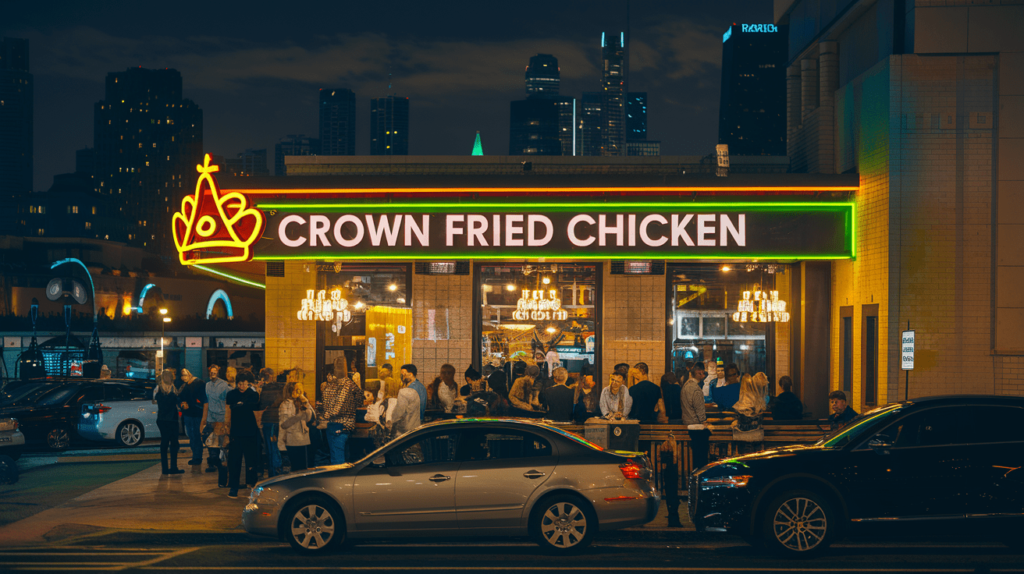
(800, 524)
(563, 525)
(131, 434)
(58, 439)
(312, 526)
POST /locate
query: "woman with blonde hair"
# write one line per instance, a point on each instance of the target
(442, 392)
(295, 412)
(750, 411)
(166, 399)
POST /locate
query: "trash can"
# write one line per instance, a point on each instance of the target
(613, 434)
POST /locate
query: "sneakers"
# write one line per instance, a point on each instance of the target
(195, 463)
(211, 468)
(233, 494)
(174, 471)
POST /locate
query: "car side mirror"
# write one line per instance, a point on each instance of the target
(880, 443)
(380, 462)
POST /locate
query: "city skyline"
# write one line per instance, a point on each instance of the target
(257, 85)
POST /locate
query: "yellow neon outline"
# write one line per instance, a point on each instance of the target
(206, 172)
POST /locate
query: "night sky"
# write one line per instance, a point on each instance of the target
(254, 68)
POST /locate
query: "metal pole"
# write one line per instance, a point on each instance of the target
(906, 385)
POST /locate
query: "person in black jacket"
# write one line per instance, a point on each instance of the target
(167, 400)
(787, 406)
(242, 402)
(559, 398)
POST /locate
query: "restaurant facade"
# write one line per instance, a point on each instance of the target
(584, 271)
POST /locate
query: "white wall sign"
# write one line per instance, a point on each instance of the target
(907, 350)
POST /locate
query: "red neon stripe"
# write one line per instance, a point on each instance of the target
(756, 190)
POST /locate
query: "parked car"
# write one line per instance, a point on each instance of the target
(471, 477)
(124, 417)
(955, 459)
(49, 415)
(12, 441)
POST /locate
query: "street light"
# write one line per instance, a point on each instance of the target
(160, 364)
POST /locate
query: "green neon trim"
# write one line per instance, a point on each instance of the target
(429, 206)
(231, 277)
(478, 148)
(485, 256)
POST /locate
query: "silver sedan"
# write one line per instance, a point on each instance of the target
(470, 477)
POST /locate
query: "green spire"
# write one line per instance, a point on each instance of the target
(478, 148)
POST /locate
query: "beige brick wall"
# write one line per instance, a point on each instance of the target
(634, 315)
(290, 343)
(783, 331)
(449, 298)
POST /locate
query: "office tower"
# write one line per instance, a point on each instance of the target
(337, 122)
(589, 138)
(566, 110)
(478, 148)
(542, 75)
(636, 116)
(643, 147)
(533, 127)
(147, 141)
(254, 162)
(389, 126)
(15, 123)
(752, 112)
(85, 161)
(613, 95)
(293, 145)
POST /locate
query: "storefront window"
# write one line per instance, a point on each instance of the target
(542, 314)
(704, 298)
(373, 325)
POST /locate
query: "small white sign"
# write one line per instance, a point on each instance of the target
(159, 354)
(193, 342)
(907, 350)
(12, 342)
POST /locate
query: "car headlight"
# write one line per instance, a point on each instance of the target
(733, 481)
(254, 495)
(8, 424)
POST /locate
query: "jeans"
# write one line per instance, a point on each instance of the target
(274, 463)
(699, 444)
(297, 455)
(195, 438)
(337, 438)
(168, 444)
(242, 446)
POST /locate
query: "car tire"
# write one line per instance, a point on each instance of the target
(798, 524)
(308, 519)
(563, 524)
(14, 452)
(129, 434)
(58, 439)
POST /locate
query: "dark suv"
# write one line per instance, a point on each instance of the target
(957, 459)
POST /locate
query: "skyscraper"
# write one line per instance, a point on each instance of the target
(752, 112)
(293, 145)
(249, 163)
(15, 121)
(589, 140)
(148, 141)
(389, 126)
(613, 95)
(566, 109)
(636, 116)
(337, 122)
(533, 127)
(542, 75)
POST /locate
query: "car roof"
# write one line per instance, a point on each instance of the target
(495, 421)
(965, 400)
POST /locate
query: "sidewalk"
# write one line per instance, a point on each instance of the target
(186, 503)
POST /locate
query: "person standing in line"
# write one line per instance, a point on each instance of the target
(294, 413)
(270, 401)
(408, 373)
(217, 390)
(841, 413)
(167, 404)
(559, 398)
(670, 476)
(522, 391)
(694, 417)
(747, 429)
(648, 403)
(230, 375)
(388, 383)
(615, 399)
(443, 390)
(670, 390)
(341, 399)
(405, 416)
(194, 409)
(586, 400)
(243, 402)
(786, 406)
(725, 394)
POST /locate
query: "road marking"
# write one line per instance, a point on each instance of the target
(159, 556)
(148, 563)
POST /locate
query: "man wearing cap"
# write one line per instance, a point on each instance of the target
(522, 389)
(841, 413)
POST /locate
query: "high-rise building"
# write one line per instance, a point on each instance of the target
(533, 127)
(293, 145)
(249, 163)
(147, 141)
(566, 109)
(589, 137)
(636, 116)
(613, 95)
(15, 122)
(643, 147)
(85, 162)
(337, 122)
(389, 126)
(542, 75)
(752, 112)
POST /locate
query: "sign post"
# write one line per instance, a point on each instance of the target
(907, 354)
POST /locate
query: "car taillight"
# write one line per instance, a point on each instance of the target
(98, 409)
(630, 469)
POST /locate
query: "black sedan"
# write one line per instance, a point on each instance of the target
(955, 459)
(48, 413)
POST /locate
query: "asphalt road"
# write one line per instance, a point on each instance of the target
(687, 552)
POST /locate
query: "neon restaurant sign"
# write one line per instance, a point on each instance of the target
(215, 226)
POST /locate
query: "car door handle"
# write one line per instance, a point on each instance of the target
(533, 474)
(439, 478)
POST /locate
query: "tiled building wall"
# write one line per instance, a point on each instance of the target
(442, 323)
(634, 315)
(783, 331)
(290, 343)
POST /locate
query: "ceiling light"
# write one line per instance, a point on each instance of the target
(545, 280)
(392, 287)
(510, 287)
(726, 268)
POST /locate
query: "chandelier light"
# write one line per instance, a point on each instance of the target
(763, 307)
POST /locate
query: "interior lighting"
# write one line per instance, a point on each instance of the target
(517, 326)
(167, 319)
(392, 287)
(359, 305)
(163, 311)
(551, 329)
(726, 268)
(540, 305)
(401, 300)
(545, 280)
(764, 307)
(510, 287)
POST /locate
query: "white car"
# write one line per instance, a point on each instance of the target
(11, 440)
(126, 415)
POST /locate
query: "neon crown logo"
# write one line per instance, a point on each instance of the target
(215, 228)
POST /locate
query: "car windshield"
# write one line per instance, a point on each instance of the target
(56, 396)
(858, 426)
(11, 396)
